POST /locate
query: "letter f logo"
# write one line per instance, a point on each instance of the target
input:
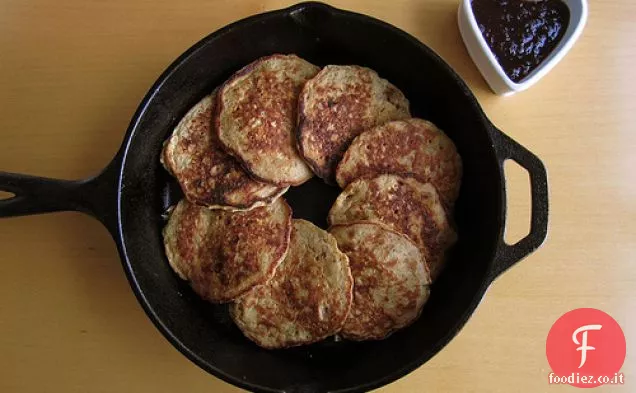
(584, 347)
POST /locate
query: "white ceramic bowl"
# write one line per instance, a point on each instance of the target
(488, 65)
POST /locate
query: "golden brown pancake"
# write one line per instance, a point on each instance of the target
(307, 300)
(404, 204)
(336, 106)
(224, 254)
(405, 146)
(207, 175)
(256, 118)
(391, 283)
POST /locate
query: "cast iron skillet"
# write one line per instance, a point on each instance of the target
(131, 194)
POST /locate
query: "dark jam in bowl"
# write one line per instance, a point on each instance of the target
(521, 33)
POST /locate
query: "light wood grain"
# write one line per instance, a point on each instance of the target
(71, 75)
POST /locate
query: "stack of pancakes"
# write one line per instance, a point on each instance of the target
(273, 125)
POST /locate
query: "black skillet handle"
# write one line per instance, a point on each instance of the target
(508, 255)
(35, 195)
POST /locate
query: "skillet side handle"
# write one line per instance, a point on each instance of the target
(96, 196)
(507, 255)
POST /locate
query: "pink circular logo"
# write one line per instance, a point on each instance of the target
(586, 348)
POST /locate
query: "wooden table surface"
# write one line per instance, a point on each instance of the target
(73, 72)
